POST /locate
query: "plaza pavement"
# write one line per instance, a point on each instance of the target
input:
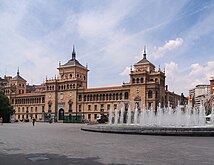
(62, 144)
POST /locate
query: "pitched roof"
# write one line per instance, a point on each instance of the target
(73, 61)
(144, 60)
(18, 77)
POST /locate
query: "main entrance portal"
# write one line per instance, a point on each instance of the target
(61, 114)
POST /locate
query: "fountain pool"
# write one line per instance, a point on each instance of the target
(183, 120)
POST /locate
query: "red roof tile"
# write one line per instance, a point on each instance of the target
(104, 88)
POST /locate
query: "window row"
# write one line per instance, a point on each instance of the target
(29, 109)
(138, 80)
(71, 76)
(23, 117)
(104, 97)
(29, 100)
(100, 107)
(63, 87)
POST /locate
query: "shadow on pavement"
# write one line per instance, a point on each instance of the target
(46, 159)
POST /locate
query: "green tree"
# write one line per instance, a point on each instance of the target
(6, 110)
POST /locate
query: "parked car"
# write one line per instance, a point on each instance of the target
(102, 119)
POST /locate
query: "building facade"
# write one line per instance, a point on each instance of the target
(201, 95)
(67, 97)
(212, 94)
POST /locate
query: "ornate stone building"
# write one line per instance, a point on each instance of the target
(67, 97)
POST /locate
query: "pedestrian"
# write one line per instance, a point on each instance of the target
(1, 120)
(34, 120)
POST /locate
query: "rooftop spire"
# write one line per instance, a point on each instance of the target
(18, 72)
(73, 53)
(144, 52)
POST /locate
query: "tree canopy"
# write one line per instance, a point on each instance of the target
(6, 110)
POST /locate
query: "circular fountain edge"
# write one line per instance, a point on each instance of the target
(144, 130)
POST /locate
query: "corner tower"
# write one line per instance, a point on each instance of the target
(73, 70)
(62, 91)
(147, 85)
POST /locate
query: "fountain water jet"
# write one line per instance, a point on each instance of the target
(181, 121)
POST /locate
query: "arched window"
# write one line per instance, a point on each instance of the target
(133, 80)
(114, 96)
(149, 94)
(126, 95)
(121, 96)
(141, 80)
(80, 97)
(137, 80)
(110, 96)
(106, 96)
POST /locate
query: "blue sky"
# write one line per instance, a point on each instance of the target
(109, 36)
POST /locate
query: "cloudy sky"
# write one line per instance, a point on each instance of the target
(109, 36)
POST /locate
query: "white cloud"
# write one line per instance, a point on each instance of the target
(201, 74)
(171, 69)
(167, 47)
(182, 80)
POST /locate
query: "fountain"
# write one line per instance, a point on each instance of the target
(183, 120)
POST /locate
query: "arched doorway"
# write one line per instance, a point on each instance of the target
(61, 114)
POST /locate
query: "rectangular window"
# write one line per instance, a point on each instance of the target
(115, 106)
(101, 107)
(95, 116)
(43, 108)
(43, 99)
(36, 109)
(89, 116)
(89, 107)
(108, 107)
(95, 107)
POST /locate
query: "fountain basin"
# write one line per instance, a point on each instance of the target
(146, 130)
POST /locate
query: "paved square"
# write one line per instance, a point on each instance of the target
(21, 143)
